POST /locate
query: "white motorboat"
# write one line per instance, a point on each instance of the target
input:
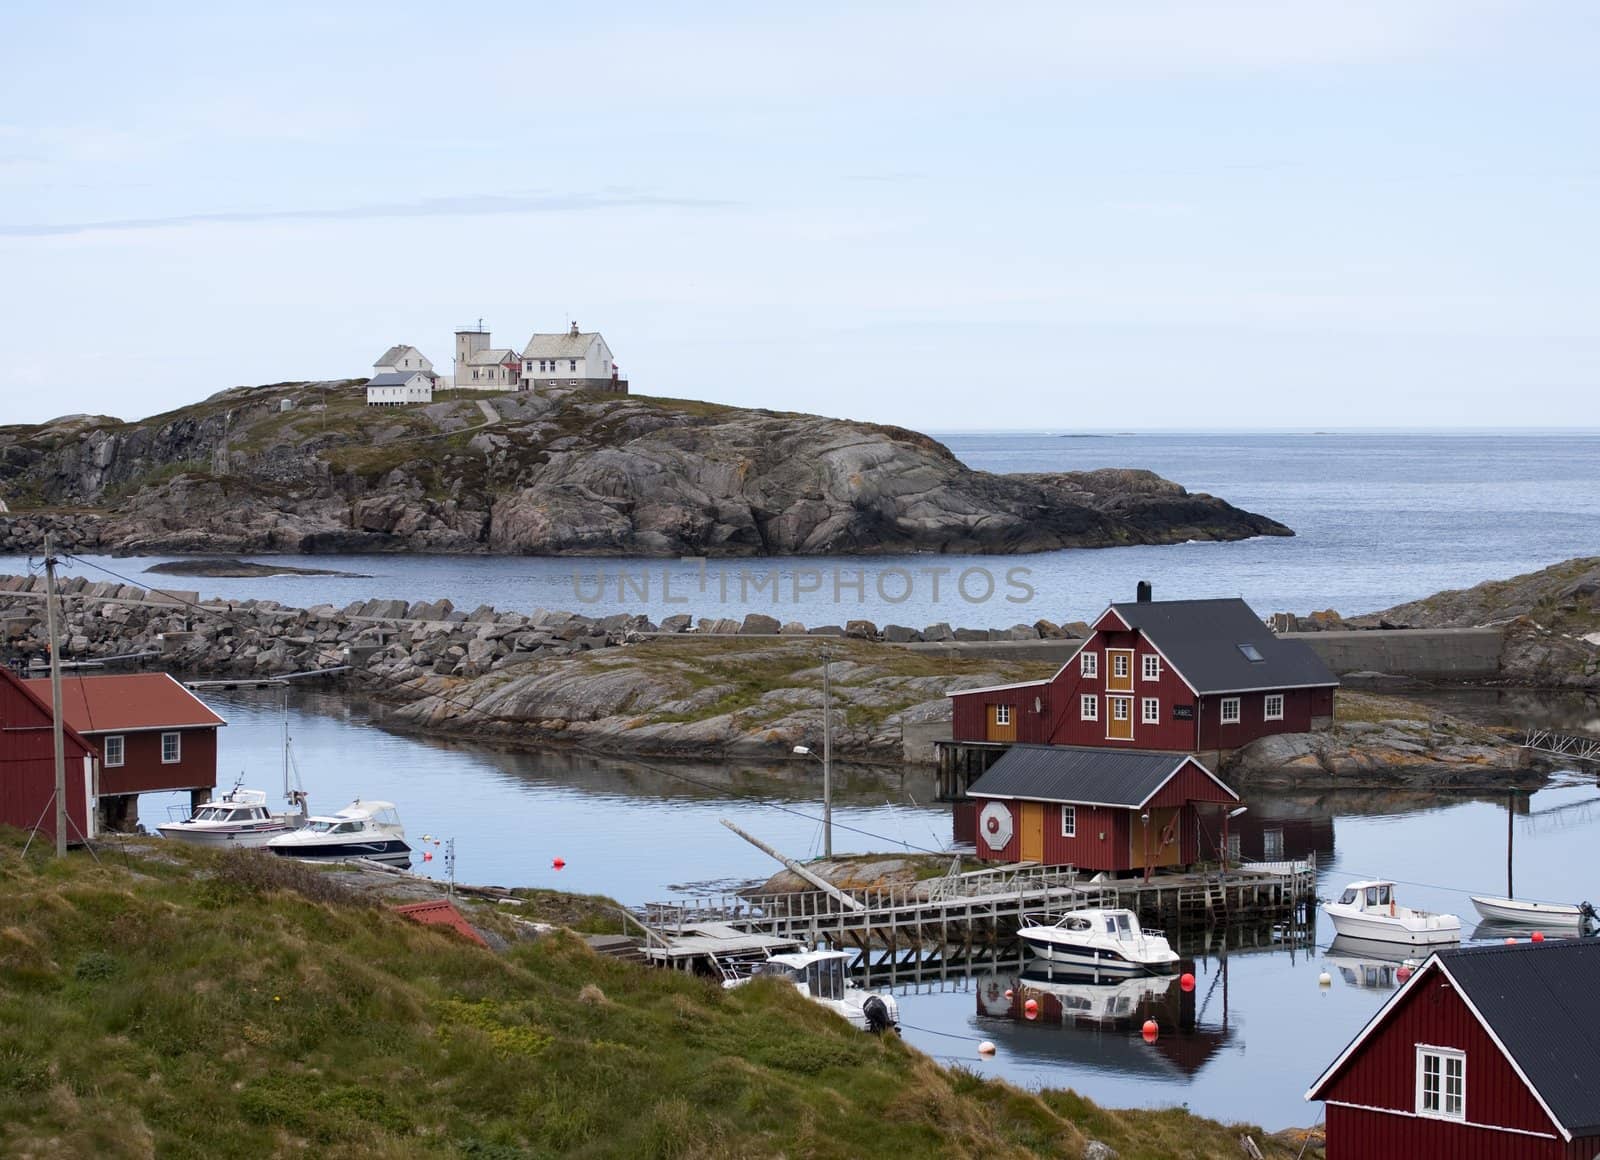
(1519, 912)
(821, 977)
(240, 818)
(1099, 942)
(368, 829)
(1370, 910)
(1073, 997)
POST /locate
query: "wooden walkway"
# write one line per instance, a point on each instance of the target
(940, 923)
(1573, 745)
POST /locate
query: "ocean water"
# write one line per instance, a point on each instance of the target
(1379, 519)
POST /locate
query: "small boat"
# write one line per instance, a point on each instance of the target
(820, 976)
(361, 830)
(1103, 942)
(1517, 912)
(1370, 910)
(240, 818)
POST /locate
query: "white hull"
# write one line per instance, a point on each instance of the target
(1409, 928)
(1093, 961)
(1520, 913)
(236, 839)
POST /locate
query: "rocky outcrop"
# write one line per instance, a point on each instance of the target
(1437, 752)
(308, 468)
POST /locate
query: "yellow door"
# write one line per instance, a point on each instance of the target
(1119, 665)
(1158, 843)
(1031, 846)
(1002, 723)
(1119, 718)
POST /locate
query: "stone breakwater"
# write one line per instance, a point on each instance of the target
(396, 639)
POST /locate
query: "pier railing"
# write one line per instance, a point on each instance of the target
(1575, 746)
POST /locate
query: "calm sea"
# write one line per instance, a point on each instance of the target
(1380, 519)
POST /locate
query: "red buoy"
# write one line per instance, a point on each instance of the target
(1510, 940)
(427, 857)
(559, 863)
(1010, 993)
(1186, 981)
(1538, 936)
(1031, 1008)
(1150, 1031)
(1403, 974)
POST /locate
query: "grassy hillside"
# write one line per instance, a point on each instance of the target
(175, 1003)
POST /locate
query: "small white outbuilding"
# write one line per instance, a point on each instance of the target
(397, 388)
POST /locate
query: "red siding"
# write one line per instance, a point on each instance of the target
(1382, 1074)
(142, 770)
(27, 766)
(1190, 784)
(970, 713)
(1087, 851)
(1012, 851)
(1058, 720)
(1356, 1134)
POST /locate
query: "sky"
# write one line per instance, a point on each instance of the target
(1057, 216)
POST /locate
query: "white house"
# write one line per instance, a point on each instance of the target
(397, 388)
(481, 367)
(576, 359)
(402, 360)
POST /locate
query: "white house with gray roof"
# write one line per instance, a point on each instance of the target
(402, 360)
(574, 360)
(398, 388)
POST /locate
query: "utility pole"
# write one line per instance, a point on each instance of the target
(827, 759)
(53, 626)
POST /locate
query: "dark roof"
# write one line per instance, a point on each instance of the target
(1202, 639)
(394, 378)
(1541, 1001)
(1074, 773)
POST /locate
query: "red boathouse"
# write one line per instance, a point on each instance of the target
(152, 735)
(1188, 676)
(1095, 809)
(28, 766)
(1484, 1052)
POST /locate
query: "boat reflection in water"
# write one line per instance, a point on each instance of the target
(1371, 963)
(1076, 1017)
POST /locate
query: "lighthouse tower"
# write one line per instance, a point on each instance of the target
(470, 339)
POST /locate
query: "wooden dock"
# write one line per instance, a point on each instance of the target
(940, 923)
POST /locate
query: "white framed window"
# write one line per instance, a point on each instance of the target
(1230, 710)
(1272, 844)
(1088, 664)
(1441, 1082)
(1152, 667)
(1120, 708)
(1069, 821)
(1272, 707)
(1002, 714)
(113, 749)
(171, 748)
(1088, 707)
(1150, 711)
(1119, 665)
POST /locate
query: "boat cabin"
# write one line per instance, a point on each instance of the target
(1370, 896)
(1098, 809)
(821, 973)
(232, 813)
(1483, 1051)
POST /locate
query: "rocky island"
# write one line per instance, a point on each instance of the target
(308, 467)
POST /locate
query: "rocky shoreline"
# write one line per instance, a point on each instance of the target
(713, 689)
(308, 467)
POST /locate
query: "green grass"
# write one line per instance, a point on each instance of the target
(187, 1004)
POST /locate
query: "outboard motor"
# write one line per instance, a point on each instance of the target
(1587, 913)
(877, 1015)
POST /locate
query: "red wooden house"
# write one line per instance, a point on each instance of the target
(28, 767)
(1095, 809)
(1484, 1052)
(1189, 676)
(152, 736)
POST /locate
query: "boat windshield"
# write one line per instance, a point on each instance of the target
(775, 971)
(207, 814)
(1118, 926)
(1348, 897)
(322, 826)
(1378, 895)
(825, 979)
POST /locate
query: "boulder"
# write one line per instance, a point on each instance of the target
(792, 628)
(900, 634)
(825, 630)
(938, 632)
(972, 634)
(759, 624)
(861, 630)
(677, 622)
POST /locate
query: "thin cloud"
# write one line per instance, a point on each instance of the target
(470, 206)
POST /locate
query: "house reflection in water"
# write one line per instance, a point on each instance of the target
(1097, 1024)
(1280, 830)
